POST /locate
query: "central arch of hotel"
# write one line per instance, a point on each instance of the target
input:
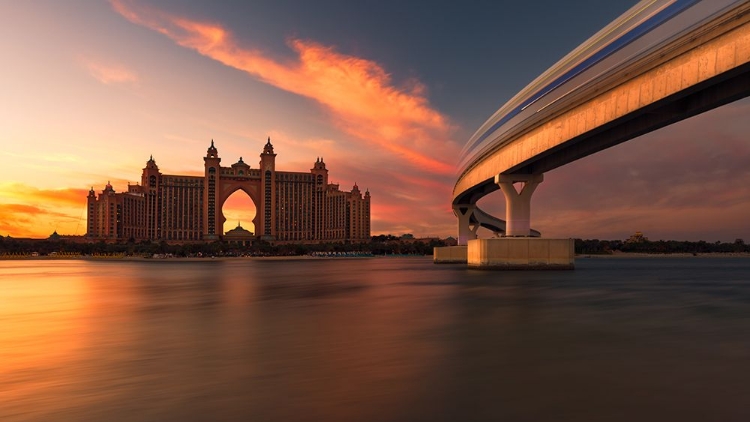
(228, 186)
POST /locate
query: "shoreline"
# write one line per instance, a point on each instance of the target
(180, 259)
(618, 255)
(626, 255)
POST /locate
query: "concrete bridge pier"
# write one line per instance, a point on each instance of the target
(518, 250)
(518, 202)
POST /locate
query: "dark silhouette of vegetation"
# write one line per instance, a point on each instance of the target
(379, 245)
(604, 247)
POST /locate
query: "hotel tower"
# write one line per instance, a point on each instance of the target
(291, 207)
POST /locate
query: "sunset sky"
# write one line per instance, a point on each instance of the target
(386, 92)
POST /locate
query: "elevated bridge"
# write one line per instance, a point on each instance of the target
(659, 63)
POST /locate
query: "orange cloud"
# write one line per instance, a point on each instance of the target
(23, 220)
(358, 93)
(20, 192)
(26, 211)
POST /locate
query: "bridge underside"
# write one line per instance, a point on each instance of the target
(705, 96)
(710, 94)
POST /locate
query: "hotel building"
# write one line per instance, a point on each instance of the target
(291, 207)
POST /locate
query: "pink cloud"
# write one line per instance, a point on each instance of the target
(358, 93)
(109, 73)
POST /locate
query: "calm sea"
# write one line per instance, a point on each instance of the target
(377, 339)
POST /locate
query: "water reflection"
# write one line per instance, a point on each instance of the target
(372, 339)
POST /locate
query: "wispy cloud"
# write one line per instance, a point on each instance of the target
(359, 94)
(19, 192)
(26, 211)
(23, 220)
(109, 72)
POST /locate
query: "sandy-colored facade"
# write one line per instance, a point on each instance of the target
(291, 207)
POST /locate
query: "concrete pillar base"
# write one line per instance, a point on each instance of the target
(449, 255)
(521, 253)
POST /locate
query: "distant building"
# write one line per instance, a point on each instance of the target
(239, 236)
(291, 207)
(67, 238)
(451, 241)
(638, 237)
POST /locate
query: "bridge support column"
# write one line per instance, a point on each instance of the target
(518, 250)
(518, 203)
(465, 231)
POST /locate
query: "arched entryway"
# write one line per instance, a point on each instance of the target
(239, 207)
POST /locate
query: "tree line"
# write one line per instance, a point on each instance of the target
(604, 247)
(378, 245)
